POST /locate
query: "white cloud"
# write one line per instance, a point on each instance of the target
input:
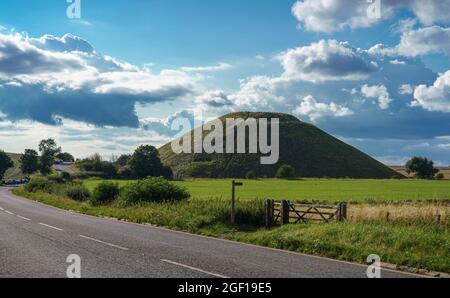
(397, 62)
(59, 75)
(425, 41)
(336, 15)
(434, 98)
(214, 68)
(406, 89)
(419, 42)
(378, 92)
(315, 110)
(326, 60)
(258, 91)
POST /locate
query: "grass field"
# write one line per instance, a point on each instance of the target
(317, 190)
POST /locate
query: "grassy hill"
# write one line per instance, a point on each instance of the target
(15, 171)
(311, 151)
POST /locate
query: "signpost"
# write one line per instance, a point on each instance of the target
(233, 200)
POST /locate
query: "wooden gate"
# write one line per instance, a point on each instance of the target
(286, 212)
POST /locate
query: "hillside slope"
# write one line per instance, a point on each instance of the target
(311, 151)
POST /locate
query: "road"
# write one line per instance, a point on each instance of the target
(35, 241)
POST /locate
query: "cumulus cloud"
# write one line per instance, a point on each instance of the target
(413, 43)
(425, 41)
(66, 43)
(326, 60)
(378, 92)
(215, 99)
(335, 15)
(315, 110)
(51, 77)
(435, 98)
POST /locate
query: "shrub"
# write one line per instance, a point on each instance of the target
(440, 176)
(104, 193)
(76, 192)
(152, 190)
(250, 175)
(66, 176)
(56, 178)
(38, 184)
(285, 172)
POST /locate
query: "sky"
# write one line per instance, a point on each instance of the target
(116, 77)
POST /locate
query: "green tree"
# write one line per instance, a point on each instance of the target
(285, 172)
(48, 149)
(65, 157)
(29, 162)
(122, 160)
(422, 168)
(5, 163)
(145, 162)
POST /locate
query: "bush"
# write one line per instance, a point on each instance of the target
(66, 176)
(152, 190)
(440, 176)
(56, 178)
(250, 175)
(76, 192)
(38, 184)
(285, 172)
(104, 193)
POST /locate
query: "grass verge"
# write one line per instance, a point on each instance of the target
(418, 245)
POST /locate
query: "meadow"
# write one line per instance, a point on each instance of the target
(356, 191)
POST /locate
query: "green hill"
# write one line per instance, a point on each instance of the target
(312, 152)
(15, 171)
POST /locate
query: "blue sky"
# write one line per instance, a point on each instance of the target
(115, 78)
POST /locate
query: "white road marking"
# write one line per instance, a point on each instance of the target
(193, 268)
(51, 227)
(24, 218)
(103, 242)
(9, 212)
(2, 209)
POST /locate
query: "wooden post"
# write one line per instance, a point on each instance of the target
(233, 200)
(284, 212)
(339, 212)
(268, 209)
(344, 212)
(233, 203)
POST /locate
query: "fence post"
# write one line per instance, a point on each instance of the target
(284, 212)
(339, 212)
(344, 212)
(268, 210)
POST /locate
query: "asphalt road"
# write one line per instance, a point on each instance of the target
(35, 241)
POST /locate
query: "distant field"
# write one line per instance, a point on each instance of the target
(402, 170)
(317, 190)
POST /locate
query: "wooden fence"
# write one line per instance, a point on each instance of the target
(286, 212)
